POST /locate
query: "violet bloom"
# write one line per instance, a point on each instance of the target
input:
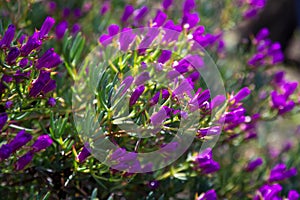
(269, 192)
(24, 160)
(194, 76)
(8, 104)
(119, 152)
(113, 29)
(252, 165)
(186, 86)
(51, 101)
(141, 13)
(171, 35)
(279, 173)
(262, 34)
(5, 151)
(243, 93)
(188, 5)
(159, 19)
(256, 60)
(75, 29)
(209, 195)
(42, 142)
(42, 84)
(77, 13)
(52, 6)
(20, 140)
(48, 60)
(128, 10)
(66, 12)
(166, 4)
(136, 94)
(12, 55)
(105, 39)
(3, 119)
(85, 152)
(22, 38)
(164, 56)
(217, 101)
(23, 63)
(8, 36)
(164, 94)
(159, 117)
(105, 8)
(205, 162)
(142, 78)
(33, 42)
(287, 108)
(209, 131)
(61, 29)
(126, 38)
(46, 27)
(293, 195)
(190, 20)
(199, 99)
(126, 83)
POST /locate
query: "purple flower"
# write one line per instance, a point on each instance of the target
(217, 101)
(215, 130)
(47, 25)
(5, 151)
(117, 154)
(256, 60)
(287, 108)
(158, 117)
(42, 84)
(141, 13)
(60, 29)
(293, 195)
(126, 38)
(8, 104)
(12, 55)
(105, 7)
(279, 173)
(186, 86)
(136, 94)
(254, 164)
(127, 13)
(205, 162)
(159, 19)
(51, 101)
(126, 83)
(23, 63)
(24, 160)
(52, 6)
(75, 29)
(66, 12)
(164, 94)
(77, 13)
(269, 192)
(166, 4)
(85, 152)
(3, 119)
(243, 93)
(20, 140)
(190, 20)
(142, 78)
(171, 35)
(48, 60)
(8, 36)
(164, 56)
(188, 5)
(22, 38)
(105, 39)
(199, 99)
(33, 42)
(262, 34)
(113, 29)
(41, 143)
(209, 195)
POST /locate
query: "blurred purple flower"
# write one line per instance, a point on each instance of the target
(8, 36)
(85, 152)
(46, 27)
(279, 173)
(142, 78)
(105, 8)
(51, 101)
(209, 195)
(190, 20)
(164, 56)
(128, 10)
(12, 55)
(293, 195)
(159, 19)
(136, 94)
(188, 6)
(5, 151)
(42, 142)
(252, 165)
(24, 160)
(61, 29)
(166, 4)
(205, 162)
(20, 140)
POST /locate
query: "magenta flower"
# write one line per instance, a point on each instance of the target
(158, 117)
(279, 173)
(242, 94)
(159, 19)
(128, 10)
(126, 38)
(136, 94)
(51, 101)
(293, 195)
(188, 6)
(75, 29)
(24, 160)
(209, 195)
(190, 20)
(5, 151)
(3, 119)
(141, 13)
(8, 36)
(61, 29)
(205, 162)
(41, 143)
(254, 164)
(23, 63)
(85, 152)
(46, 27)
(113, 29)
(33, 42)
(269, 192)
(48, 60)
(166, 4)
(105, 8)
(12, 55)
(164, 56)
